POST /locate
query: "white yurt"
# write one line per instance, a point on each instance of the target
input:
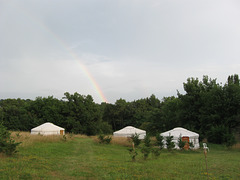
(185, 134)
(48, 129)
(129, 131)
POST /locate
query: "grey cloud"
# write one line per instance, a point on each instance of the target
(131, 48)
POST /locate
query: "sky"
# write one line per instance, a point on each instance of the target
(112, 49)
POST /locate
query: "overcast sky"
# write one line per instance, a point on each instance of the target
(130, 48)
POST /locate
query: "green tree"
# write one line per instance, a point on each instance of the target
(135, 139)
(14, 114)
(232, 102)
(169, 143)
(146, 114)
(170, 113)
(108, 111)
(122, 114)
(181, 143)
(160, 139)
(84, 114)
(147, 141)
(207, 106)
(7, 144)
(146, 148)
(46, 110)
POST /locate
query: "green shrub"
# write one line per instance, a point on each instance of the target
(104, 139)
(170, 144)
(133, 153)
(147, 141)
(135, 139)
(146, 148)
(191, 145)
(181, 143)
(159, 139)
(108, 139)
(7, 144)
(146, 151)
(101, 138)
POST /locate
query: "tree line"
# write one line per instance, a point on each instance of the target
(207, 107)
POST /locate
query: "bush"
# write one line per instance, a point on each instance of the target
(147, 141)
(136, 140)
(159, 141)
(7, 144)
(108, 139)
(170, 144)
(146, 151)
(191, 145)
(133, 153)
(104, 139)
(181, 143)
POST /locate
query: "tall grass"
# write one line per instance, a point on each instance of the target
(123, 141)
(28, 139)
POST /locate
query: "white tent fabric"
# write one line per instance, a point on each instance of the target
(177, 132)
(48, 129)
(129, 131)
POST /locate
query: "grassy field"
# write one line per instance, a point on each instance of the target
(81, 157)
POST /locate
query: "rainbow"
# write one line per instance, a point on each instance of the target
(81, 65)
(70, 51)
(90, 77)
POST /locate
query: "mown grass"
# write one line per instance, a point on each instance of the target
(81, 157)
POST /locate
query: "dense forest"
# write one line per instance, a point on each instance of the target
(206, 107)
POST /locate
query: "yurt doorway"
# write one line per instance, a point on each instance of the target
(186, 139)
(61, 132)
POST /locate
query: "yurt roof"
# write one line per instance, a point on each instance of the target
(47, 127)
(130, 130)
(176, 132)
